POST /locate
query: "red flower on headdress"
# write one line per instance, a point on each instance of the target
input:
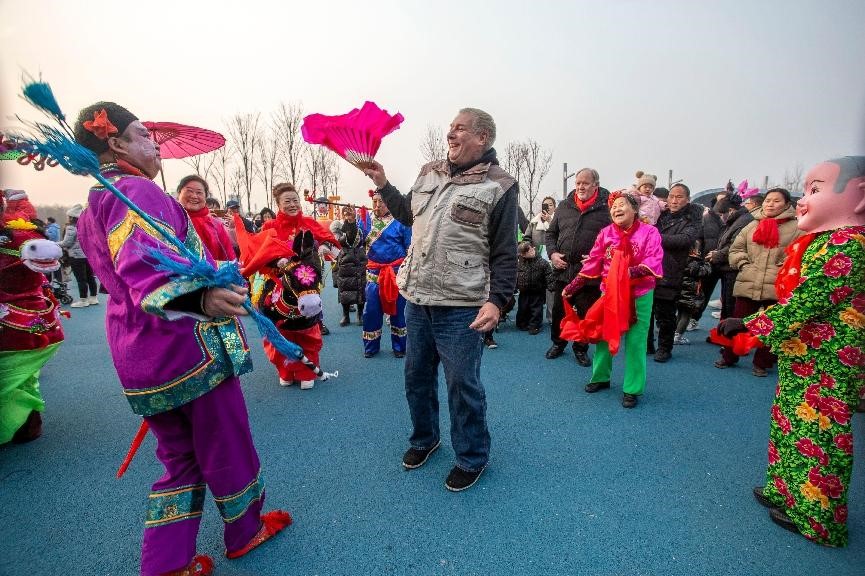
(371, 193)
(616, 195)
(100, 126)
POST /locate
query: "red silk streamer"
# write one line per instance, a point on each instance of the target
(133, 448)
(741, 344)
(388, 292)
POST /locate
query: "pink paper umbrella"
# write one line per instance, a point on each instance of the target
(181, 141)
(356, 136)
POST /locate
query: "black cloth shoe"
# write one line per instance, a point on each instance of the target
(417, 457)
(30, 430)
(782, 520)
(324, 330)
(369, 354)
(662, 356)
(534, 331)
(628, 400)
(582, 358)
(459, 479)
(399, 354)
(554, 352)
(593, 387)
(761, 498)
(345, 321)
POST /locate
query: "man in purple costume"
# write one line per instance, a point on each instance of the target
(178, 350)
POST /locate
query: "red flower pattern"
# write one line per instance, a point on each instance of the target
(782, 421)
(774, 457)
(844, 442)
(813, 334)
(812, 396)
(818, 528)
(784, 491)
(835, 409)
(840, 294)
(760, 326)
(837, 266)
(841, 514)
(808, 449)
(858, 303)
(827, 380)
(839, 237)
(803, 369)
(851, 356)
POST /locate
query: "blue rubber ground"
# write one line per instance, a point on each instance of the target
(576, 484)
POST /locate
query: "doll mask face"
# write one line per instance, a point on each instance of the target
(821, 208)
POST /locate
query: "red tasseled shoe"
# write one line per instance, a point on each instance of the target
(271, 524)
(201, 565)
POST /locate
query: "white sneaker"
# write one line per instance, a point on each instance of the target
(92, 301)
(715, 303)
(693, 325)
(716, 314)
(80, 303)
(285, 382)
(306, 384)
(680, 340)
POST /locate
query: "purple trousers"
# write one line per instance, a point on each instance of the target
(203, 444)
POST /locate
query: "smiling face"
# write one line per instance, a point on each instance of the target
(821, 208)
(774, 204)
(192, 196)
(622, 213)
(289, 203)
(464, 146)
(136, 147)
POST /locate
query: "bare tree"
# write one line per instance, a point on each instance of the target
(202, 164)
(793, 178)
(536, 165)
(330, 173)
(244, 134)
(236, 184)
(434, 145)
(515, 159)
(268, 153)
(286, 123)
(222, 171)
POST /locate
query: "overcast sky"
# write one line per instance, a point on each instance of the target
(711, 90)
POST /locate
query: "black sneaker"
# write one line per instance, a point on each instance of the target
(534, 331)
(582, 358)
(662, 356)
(628, 400)
(490, 343)
(593, 387)
(554, 352)
(324, 330)
(460, 479)
(417, 457)
(398, 354)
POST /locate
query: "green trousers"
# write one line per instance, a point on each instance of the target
(19, 387)
(635, 351)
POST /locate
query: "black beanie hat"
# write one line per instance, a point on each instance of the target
(119, 116)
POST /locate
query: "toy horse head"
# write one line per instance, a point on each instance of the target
(301, 277)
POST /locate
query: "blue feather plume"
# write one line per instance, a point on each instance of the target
(57, 144)
(224, 276)
(40, 95)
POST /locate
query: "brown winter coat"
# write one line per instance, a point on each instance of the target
(758, 266)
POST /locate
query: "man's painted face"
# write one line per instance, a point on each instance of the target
(140, 150)
(821, 208)
(584, 184)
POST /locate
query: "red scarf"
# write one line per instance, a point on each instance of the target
(766, 233)
(788, 276)
(583, 206)
(205, 225)
(613, 313)
(388, 292)
(288, 226)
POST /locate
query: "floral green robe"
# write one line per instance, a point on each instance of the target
(818, 334)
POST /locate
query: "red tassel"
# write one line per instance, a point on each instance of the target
(271, 524)
(133, 448)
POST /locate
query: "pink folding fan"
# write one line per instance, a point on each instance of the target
(355, 136)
